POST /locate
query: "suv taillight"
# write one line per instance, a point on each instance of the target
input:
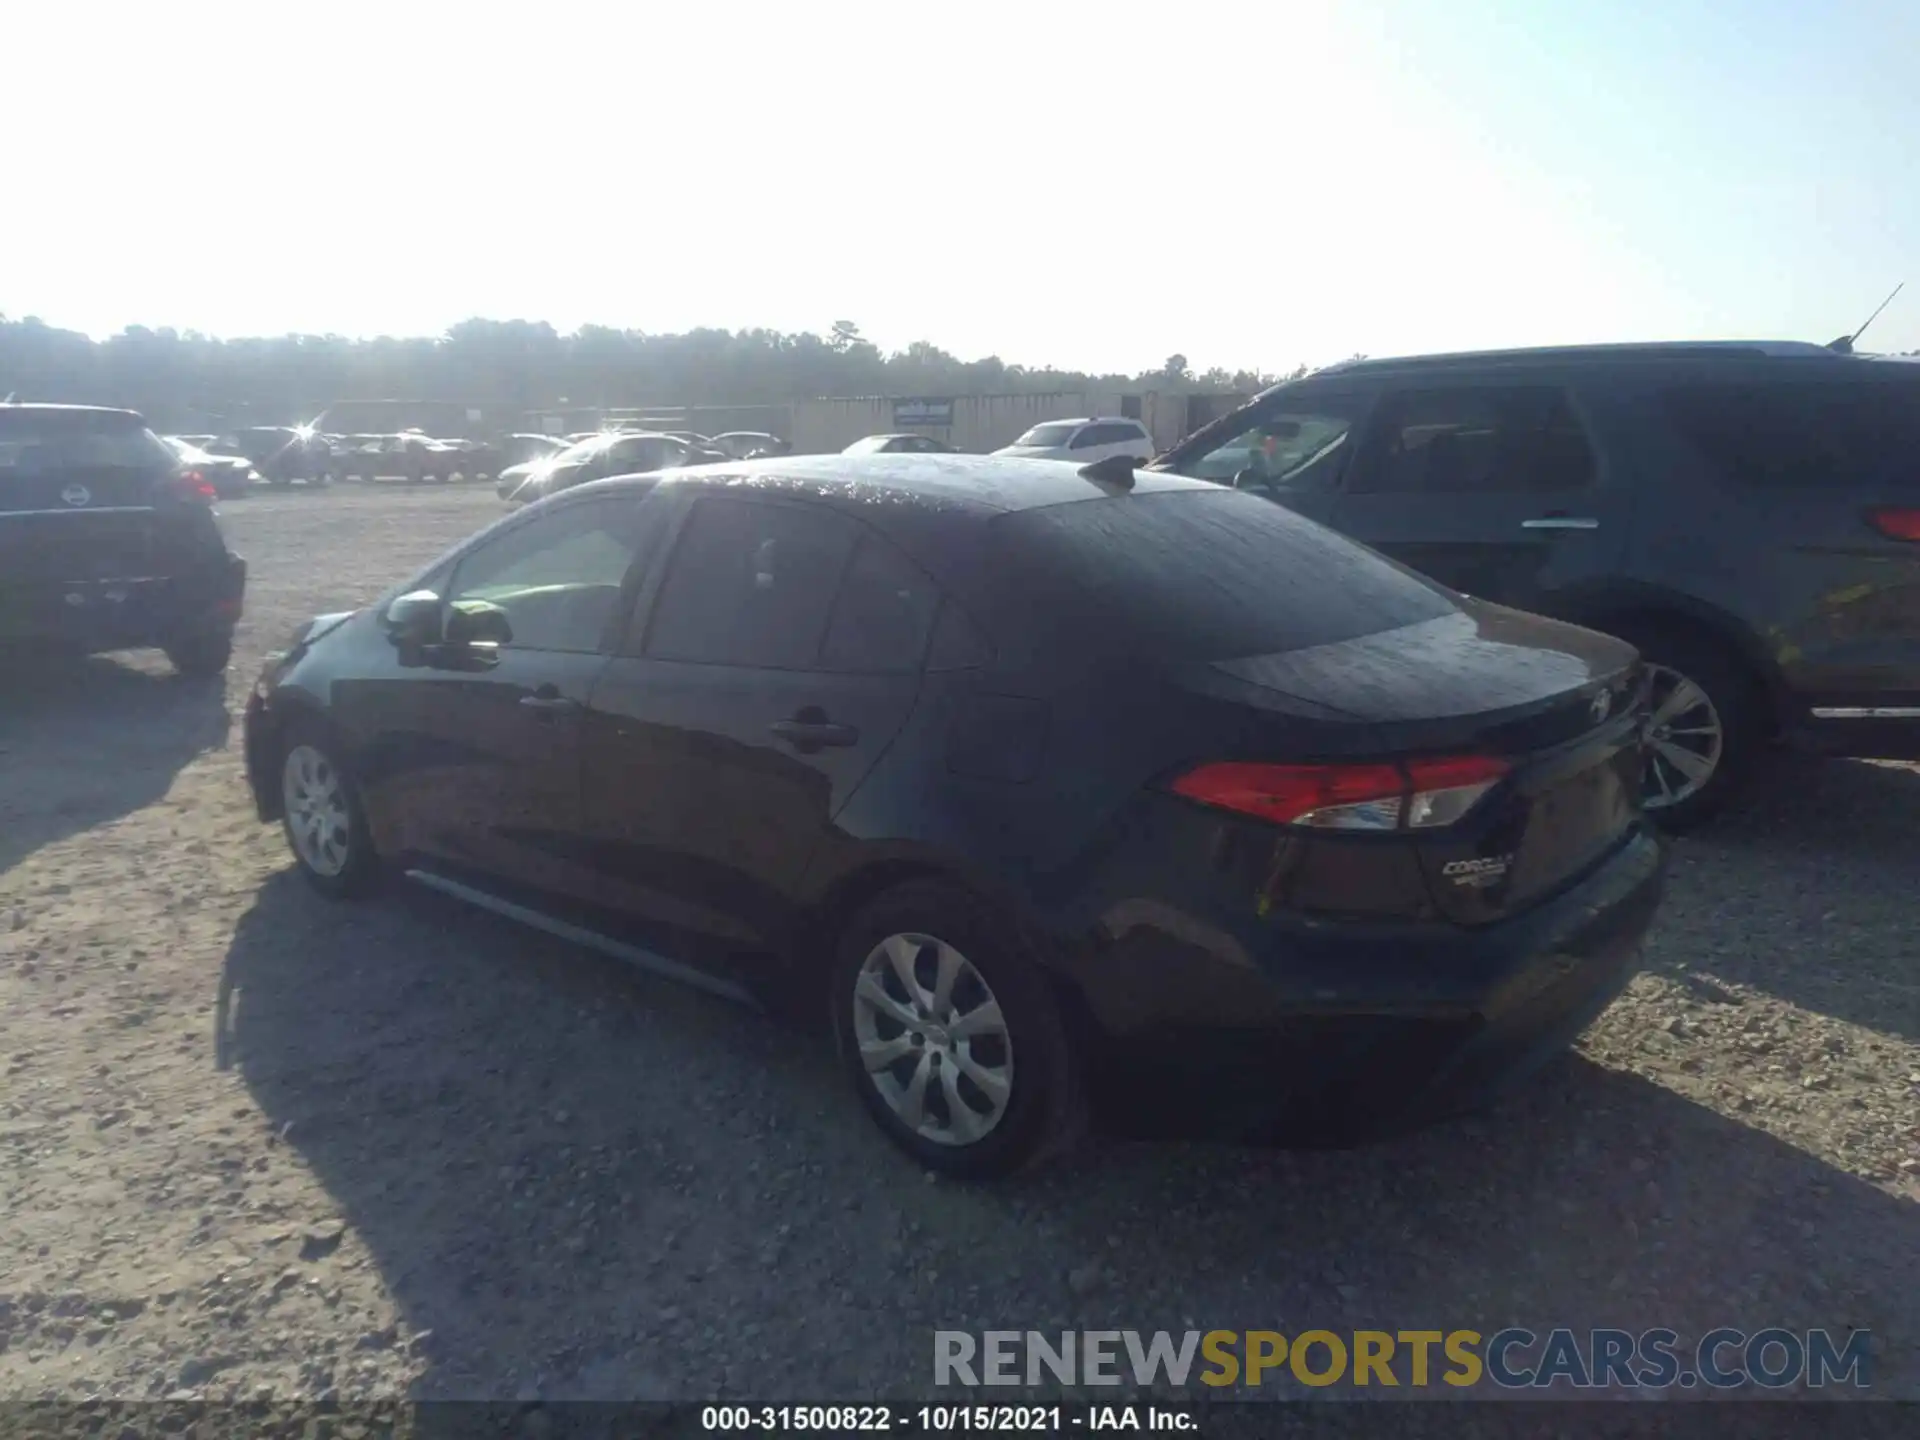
(1412, 794)
(1896, 522)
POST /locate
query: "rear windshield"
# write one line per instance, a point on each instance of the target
(1055, 434)
(1201, 575)
(65, 440)
(1804, 434)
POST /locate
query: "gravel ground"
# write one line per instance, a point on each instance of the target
(255, 1144)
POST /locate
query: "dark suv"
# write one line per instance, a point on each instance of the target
(1748, 515)
(108, 540)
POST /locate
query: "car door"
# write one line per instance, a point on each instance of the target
(1293, 450)
(1494, 490)
(778, 658)
(479, 747)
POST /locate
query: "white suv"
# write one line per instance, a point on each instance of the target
(1083, 441)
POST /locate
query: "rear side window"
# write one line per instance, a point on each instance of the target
(1804, 435)
(1107, 435)
(1202, 575)
(751, 584)
(883, 614)
(35, 440)
(1482, 440)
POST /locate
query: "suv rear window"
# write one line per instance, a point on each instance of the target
(65, 440)
(1201, 575)
(1804, 434)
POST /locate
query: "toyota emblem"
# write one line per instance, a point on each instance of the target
(1602, 703)
(76, 495)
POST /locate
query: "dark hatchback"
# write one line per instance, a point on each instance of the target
(1746, 515)
(1057, 791)
(108, 540)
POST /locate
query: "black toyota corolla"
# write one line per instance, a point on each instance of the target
(1066, 794)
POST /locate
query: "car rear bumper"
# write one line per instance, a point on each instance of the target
(1352, 1032)
(114, 614)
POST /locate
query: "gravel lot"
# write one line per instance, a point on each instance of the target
(252, 1143)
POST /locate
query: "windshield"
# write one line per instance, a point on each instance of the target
(1058, 433)
(1201, 575)
(870, 445)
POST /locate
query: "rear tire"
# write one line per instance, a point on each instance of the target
(321, 815)
(1699, 686)
(975, 1078)
(201, 657)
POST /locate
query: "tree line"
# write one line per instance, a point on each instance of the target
(177, 377)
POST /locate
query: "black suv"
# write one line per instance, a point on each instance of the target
(108, 540)
(1748, 515)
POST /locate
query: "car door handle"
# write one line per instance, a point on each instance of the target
(814, 734)
(1561, 522)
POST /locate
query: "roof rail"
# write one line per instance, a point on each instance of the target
(1579, 354)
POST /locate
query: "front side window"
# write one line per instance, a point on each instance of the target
(751, 583)
(1297, 444)
(557, 577)
(1474, 441)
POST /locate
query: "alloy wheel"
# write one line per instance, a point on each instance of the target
(318, 821)
(932, 1039)
(1685, 739)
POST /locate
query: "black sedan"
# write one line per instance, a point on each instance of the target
(1066, 795)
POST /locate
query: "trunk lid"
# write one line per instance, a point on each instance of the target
(1563, 706)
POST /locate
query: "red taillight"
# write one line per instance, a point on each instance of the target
(1896, 522)
(192, 485)
(1416, 794)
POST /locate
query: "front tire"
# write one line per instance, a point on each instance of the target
(322, 818)
(950, 1034)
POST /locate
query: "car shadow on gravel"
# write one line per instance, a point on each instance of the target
(1821, 862)
(590, 1184)
(86, 741)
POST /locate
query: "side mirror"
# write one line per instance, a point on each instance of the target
(413, 620)
(477, 622)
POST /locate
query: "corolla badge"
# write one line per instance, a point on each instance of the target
(76, 495)
(1602, 703)
(1478, 873)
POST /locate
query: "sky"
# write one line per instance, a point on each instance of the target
(1089, 186)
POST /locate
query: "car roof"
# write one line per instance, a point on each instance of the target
(985, 485)
(35, 407)
(1669, 350)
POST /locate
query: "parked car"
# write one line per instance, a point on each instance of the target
(109, 542)
(1083, 441)
(612, 453)
(1747, 515)
(750, 444)
(281, 453)
(409, 456)
(230, 475)
(1042, 785)
(898, 445)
